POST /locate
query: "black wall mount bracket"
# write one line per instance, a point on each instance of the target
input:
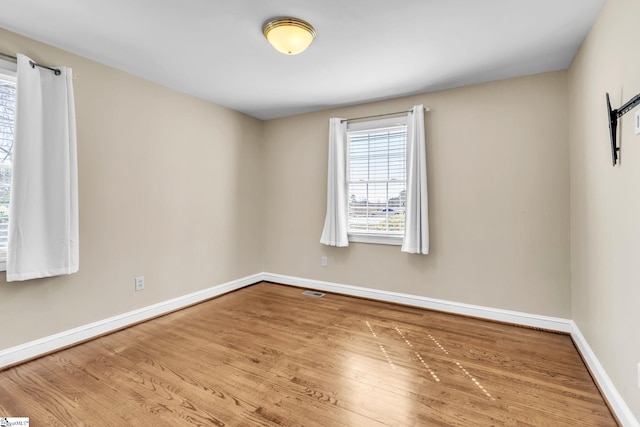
(613, 115)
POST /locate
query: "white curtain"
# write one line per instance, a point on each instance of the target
(335, 222)
(416, 233)
(43, 215)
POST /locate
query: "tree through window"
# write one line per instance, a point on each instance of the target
(7, 120)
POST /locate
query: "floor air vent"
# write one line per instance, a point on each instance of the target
(313, 294)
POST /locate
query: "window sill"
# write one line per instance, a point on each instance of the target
(378, 239)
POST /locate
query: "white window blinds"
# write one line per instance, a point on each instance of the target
(376, 179)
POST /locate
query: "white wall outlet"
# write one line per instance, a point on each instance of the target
(325, 261)
(139, 283)
(638, 122)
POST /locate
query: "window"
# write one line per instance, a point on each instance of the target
(7, 118)
(377, 180)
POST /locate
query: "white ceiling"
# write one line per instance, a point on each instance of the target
(365, 50)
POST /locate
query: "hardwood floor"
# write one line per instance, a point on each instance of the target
(269, 356)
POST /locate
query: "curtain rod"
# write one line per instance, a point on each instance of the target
(379, 115)
(56, 71)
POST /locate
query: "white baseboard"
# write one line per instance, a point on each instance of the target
(507, 316)
(39, 347)
(617, 403)
(33, 349)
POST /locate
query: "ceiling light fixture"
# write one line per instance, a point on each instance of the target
(289, 35)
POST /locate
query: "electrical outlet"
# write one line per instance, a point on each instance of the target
(139, 283)
(325, 261)
(638, 122)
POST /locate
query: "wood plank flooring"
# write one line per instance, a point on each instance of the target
(267, 355)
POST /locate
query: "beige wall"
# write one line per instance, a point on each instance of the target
(605, 201)
(498, 199)
(167, 190)
(191, 195)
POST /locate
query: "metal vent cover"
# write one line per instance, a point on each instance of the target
(314, 294)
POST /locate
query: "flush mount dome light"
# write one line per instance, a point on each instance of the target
(289, 35)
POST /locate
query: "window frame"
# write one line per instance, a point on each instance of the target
(8, 72)
(363, 126)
